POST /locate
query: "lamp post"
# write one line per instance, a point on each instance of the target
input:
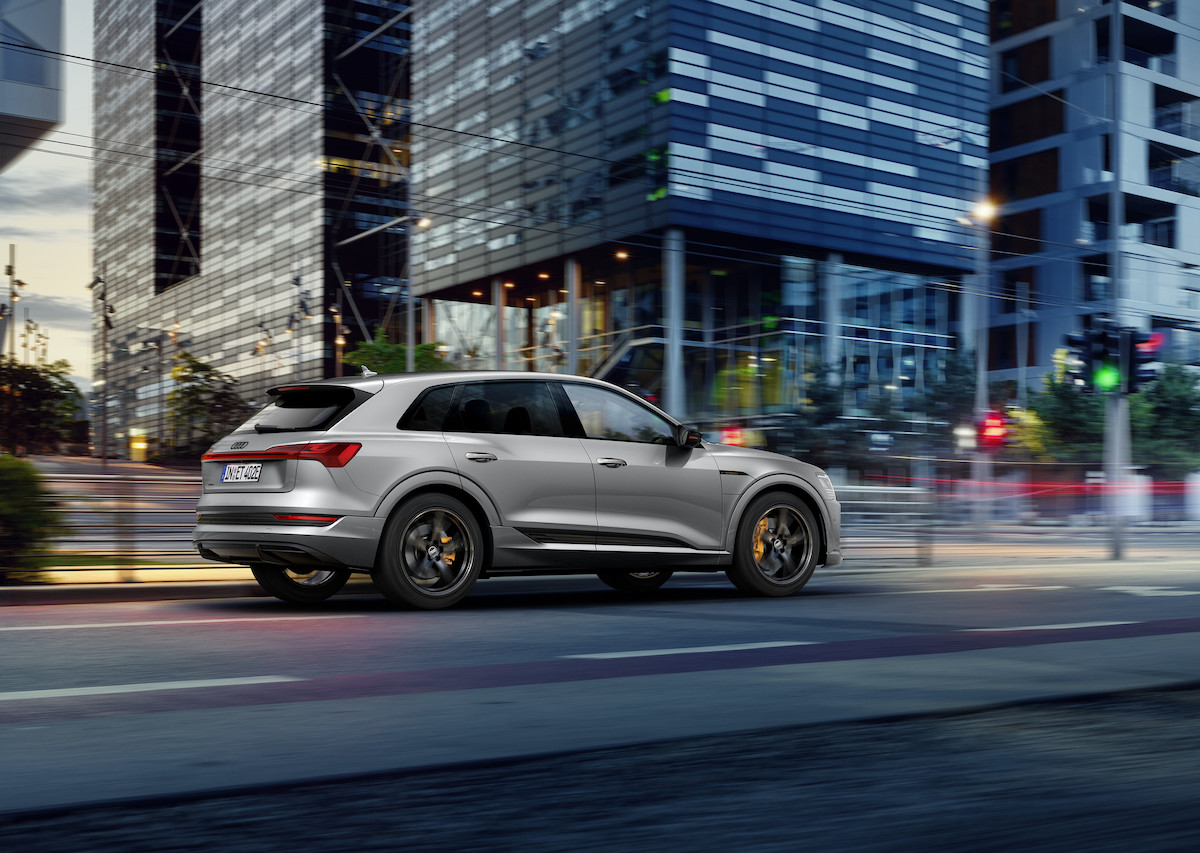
(980, 221)
(100, 288)
(157, 343)
(14, 296)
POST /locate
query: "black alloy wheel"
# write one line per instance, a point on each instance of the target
(777, 546)
(433, 552)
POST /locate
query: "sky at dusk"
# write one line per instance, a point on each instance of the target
(45, 213)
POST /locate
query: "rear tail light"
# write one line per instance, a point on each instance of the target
(331, 454)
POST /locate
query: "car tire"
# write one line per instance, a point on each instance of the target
(634, 581)
(300, 587)
(776, 548)
(433, 551)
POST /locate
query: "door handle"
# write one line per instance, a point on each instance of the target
(475, 456)
(611, 462)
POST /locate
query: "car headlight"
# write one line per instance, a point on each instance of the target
(826, 485)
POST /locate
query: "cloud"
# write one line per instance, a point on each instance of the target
(47, 194)
(59, 312)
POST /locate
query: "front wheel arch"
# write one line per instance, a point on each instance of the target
(778, 545)
(814, 504)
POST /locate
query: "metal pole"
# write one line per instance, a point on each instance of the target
(104, 386)
(12, 302)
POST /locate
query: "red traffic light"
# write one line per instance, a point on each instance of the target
(993, 431)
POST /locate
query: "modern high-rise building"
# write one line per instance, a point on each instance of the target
(251, 196)
(30, 73)
(1095, 166)
(706, 200)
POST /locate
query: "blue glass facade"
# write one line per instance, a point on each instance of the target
(682, 196)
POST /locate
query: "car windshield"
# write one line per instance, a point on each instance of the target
(299, 409)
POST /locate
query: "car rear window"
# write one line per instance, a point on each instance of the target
(301, 409)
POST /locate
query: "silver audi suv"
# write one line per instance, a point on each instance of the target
(430, 481)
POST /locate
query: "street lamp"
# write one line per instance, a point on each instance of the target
(980, 221)
(157, 343)
(100, 288)
(9, 312)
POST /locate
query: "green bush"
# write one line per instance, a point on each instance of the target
(27, 517)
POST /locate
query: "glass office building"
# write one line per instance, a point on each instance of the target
(30, 74)
(707, 200)
(1096, 170)
(251, 193)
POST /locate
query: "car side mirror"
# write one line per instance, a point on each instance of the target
(685, 436)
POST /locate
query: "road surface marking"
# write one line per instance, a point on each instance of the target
(142, 688)
(693, 650)
(1063, 627)
(988, 587)
(157, 622)
(1150, 590)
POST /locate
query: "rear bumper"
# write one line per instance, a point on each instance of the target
(349, 543)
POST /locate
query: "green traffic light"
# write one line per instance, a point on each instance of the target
(1106, 378)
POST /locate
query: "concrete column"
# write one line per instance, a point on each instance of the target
(673, 266)
(498, 307)
(831, 311)
(410, 330)
(572, 276)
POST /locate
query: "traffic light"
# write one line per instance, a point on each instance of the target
(1137, 348)
(1097, 358)
(1106, 375)
(993, 432)
(1079, 366)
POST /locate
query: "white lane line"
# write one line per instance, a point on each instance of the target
(144, 687)
(989, 587)
(159, 622)
(1153, 591)
(1063, 627)
(692, 650)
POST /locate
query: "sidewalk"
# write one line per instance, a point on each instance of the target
(1083, 557)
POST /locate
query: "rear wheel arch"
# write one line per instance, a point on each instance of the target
(481, 516)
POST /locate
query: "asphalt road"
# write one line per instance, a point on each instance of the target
(557, 714)
(1101, 774)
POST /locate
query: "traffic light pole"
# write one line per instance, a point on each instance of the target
(1116, 463)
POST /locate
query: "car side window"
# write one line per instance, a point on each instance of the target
(509, 408)
(430, 410)
(605, 414)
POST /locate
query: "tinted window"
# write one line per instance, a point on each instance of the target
(300, 409)
(430, 410)
(513, 408)
(605, 414)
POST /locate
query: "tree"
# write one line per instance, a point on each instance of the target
(1166, 443)
(204, 403)
(1068, 425)
(952, 400)
(40, 404)
(382, 356)
(27, 517)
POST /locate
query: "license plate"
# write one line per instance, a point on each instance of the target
(245, 472)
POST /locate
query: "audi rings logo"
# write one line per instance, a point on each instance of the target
(238, 445)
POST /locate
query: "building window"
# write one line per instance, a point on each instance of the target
(1028, 120)
(19, 64)
(1025, 65)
